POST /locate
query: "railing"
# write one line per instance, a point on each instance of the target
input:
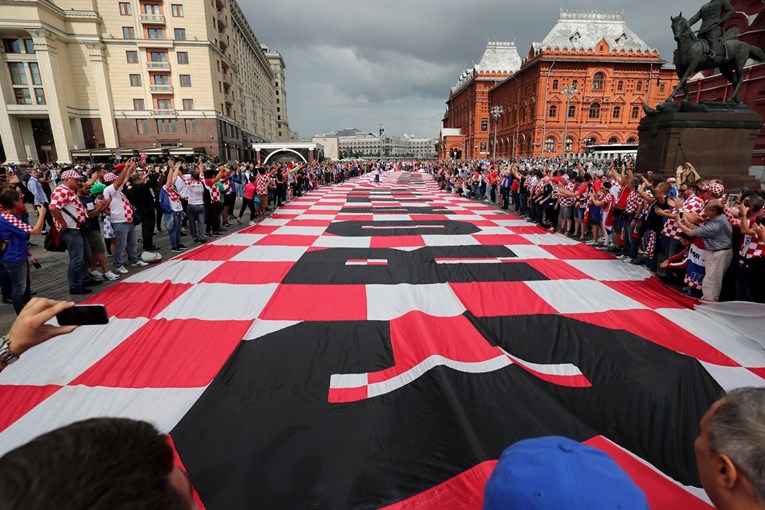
(228, 98)
(152, 18)
(163, 113)
(158, 65)
(161, 89)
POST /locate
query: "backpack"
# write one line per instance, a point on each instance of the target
(164, 201)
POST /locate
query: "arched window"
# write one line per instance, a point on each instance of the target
(617, 112)
(549, 144)
(613, 140)
(555, 85)
(661, 88)
(597, 81)
(632, 139)
(569, 144)
(553, 111)
(590, 141)
(619, 86)
(594, 111)
(639, 86)
(635, 112)
(571, 111)
(575, 84)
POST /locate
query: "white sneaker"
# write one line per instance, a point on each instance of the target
(97, 275)
(122, 270)
(140, 263)
(251, 223)
(111, 276)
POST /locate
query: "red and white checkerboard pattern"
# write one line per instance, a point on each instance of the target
(174, 325)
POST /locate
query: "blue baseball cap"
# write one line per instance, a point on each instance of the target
(550, 473)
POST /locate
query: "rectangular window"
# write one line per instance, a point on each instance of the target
(484, 124)
(125, 9)
(180, 34)
(191, 125)
(128, 32)
(158, 56)
(139, 104)
(135, 80)
(483, 146)
(166, 126)
(132, 57)
(34, 72)
(177, 10)
(152, 9)
(164, 104)
(22, 96)
(29, 46)
(155, 33)
(183, 57)
(142, 126)
(40, 96)
(18, 74)
(188, 104)
(185, 80)
(161, 79)
(12, 46)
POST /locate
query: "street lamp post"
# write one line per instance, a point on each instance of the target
(568, 90)
(496, 112)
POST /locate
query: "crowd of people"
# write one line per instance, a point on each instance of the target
(103, 210)
(684, 227)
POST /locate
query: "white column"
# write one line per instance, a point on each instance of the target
(10, 132)
(50, 72)
(28, 137)
(104, 94)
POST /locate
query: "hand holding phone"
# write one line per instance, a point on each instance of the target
(83, 315)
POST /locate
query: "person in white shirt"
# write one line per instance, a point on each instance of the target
(121, 218)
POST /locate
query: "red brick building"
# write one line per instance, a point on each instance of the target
(613, 72)
(465, 126)
(749, 18)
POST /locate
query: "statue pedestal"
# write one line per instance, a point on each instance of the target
(718, 142)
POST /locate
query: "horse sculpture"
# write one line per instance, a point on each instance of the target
(692, 56)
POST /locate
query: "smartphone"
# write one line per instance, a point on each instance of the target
(83, 315)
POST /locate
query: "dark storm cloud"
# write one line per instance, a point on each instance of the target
(354, 64)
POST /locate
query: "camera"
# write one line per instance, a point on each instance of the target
(680, 215)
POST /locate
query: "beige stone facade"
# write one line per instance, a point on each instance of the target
(280, 99)
(88, 74)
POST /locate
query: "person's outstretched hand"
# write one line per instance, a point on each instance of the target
(29, 328)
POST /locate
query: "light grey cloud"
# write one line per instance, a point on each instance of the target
(354, 64)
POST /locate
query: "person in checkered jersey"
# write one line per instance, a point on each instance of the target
(69, 217)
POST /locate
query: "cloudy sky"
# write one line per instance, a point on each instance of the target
(358, 64)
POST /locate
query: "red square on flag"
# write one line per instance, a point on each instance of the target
(213, 252)
(397, 242)
(132, 300)
(168, 354)
(317, 303)
(250, 273)
(19, 400)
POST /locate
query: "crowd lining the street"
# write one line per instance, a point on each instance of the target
(683, 227)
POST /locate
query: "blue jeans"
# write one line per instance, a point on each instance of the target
(78, 269)
(125, 235)
(5, 282)
(21, 283)
(175, 232)
(196, 214)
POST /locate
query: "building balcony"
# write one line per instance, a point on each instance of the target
(227, 79)
(220, 4)
(151, 19)
(163, 113)
(158, 66)
(161, 89)
(221, 21)
(228, 98)
(223, 44)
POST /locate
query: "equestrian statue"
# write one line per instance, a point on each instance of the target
(710, 48)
